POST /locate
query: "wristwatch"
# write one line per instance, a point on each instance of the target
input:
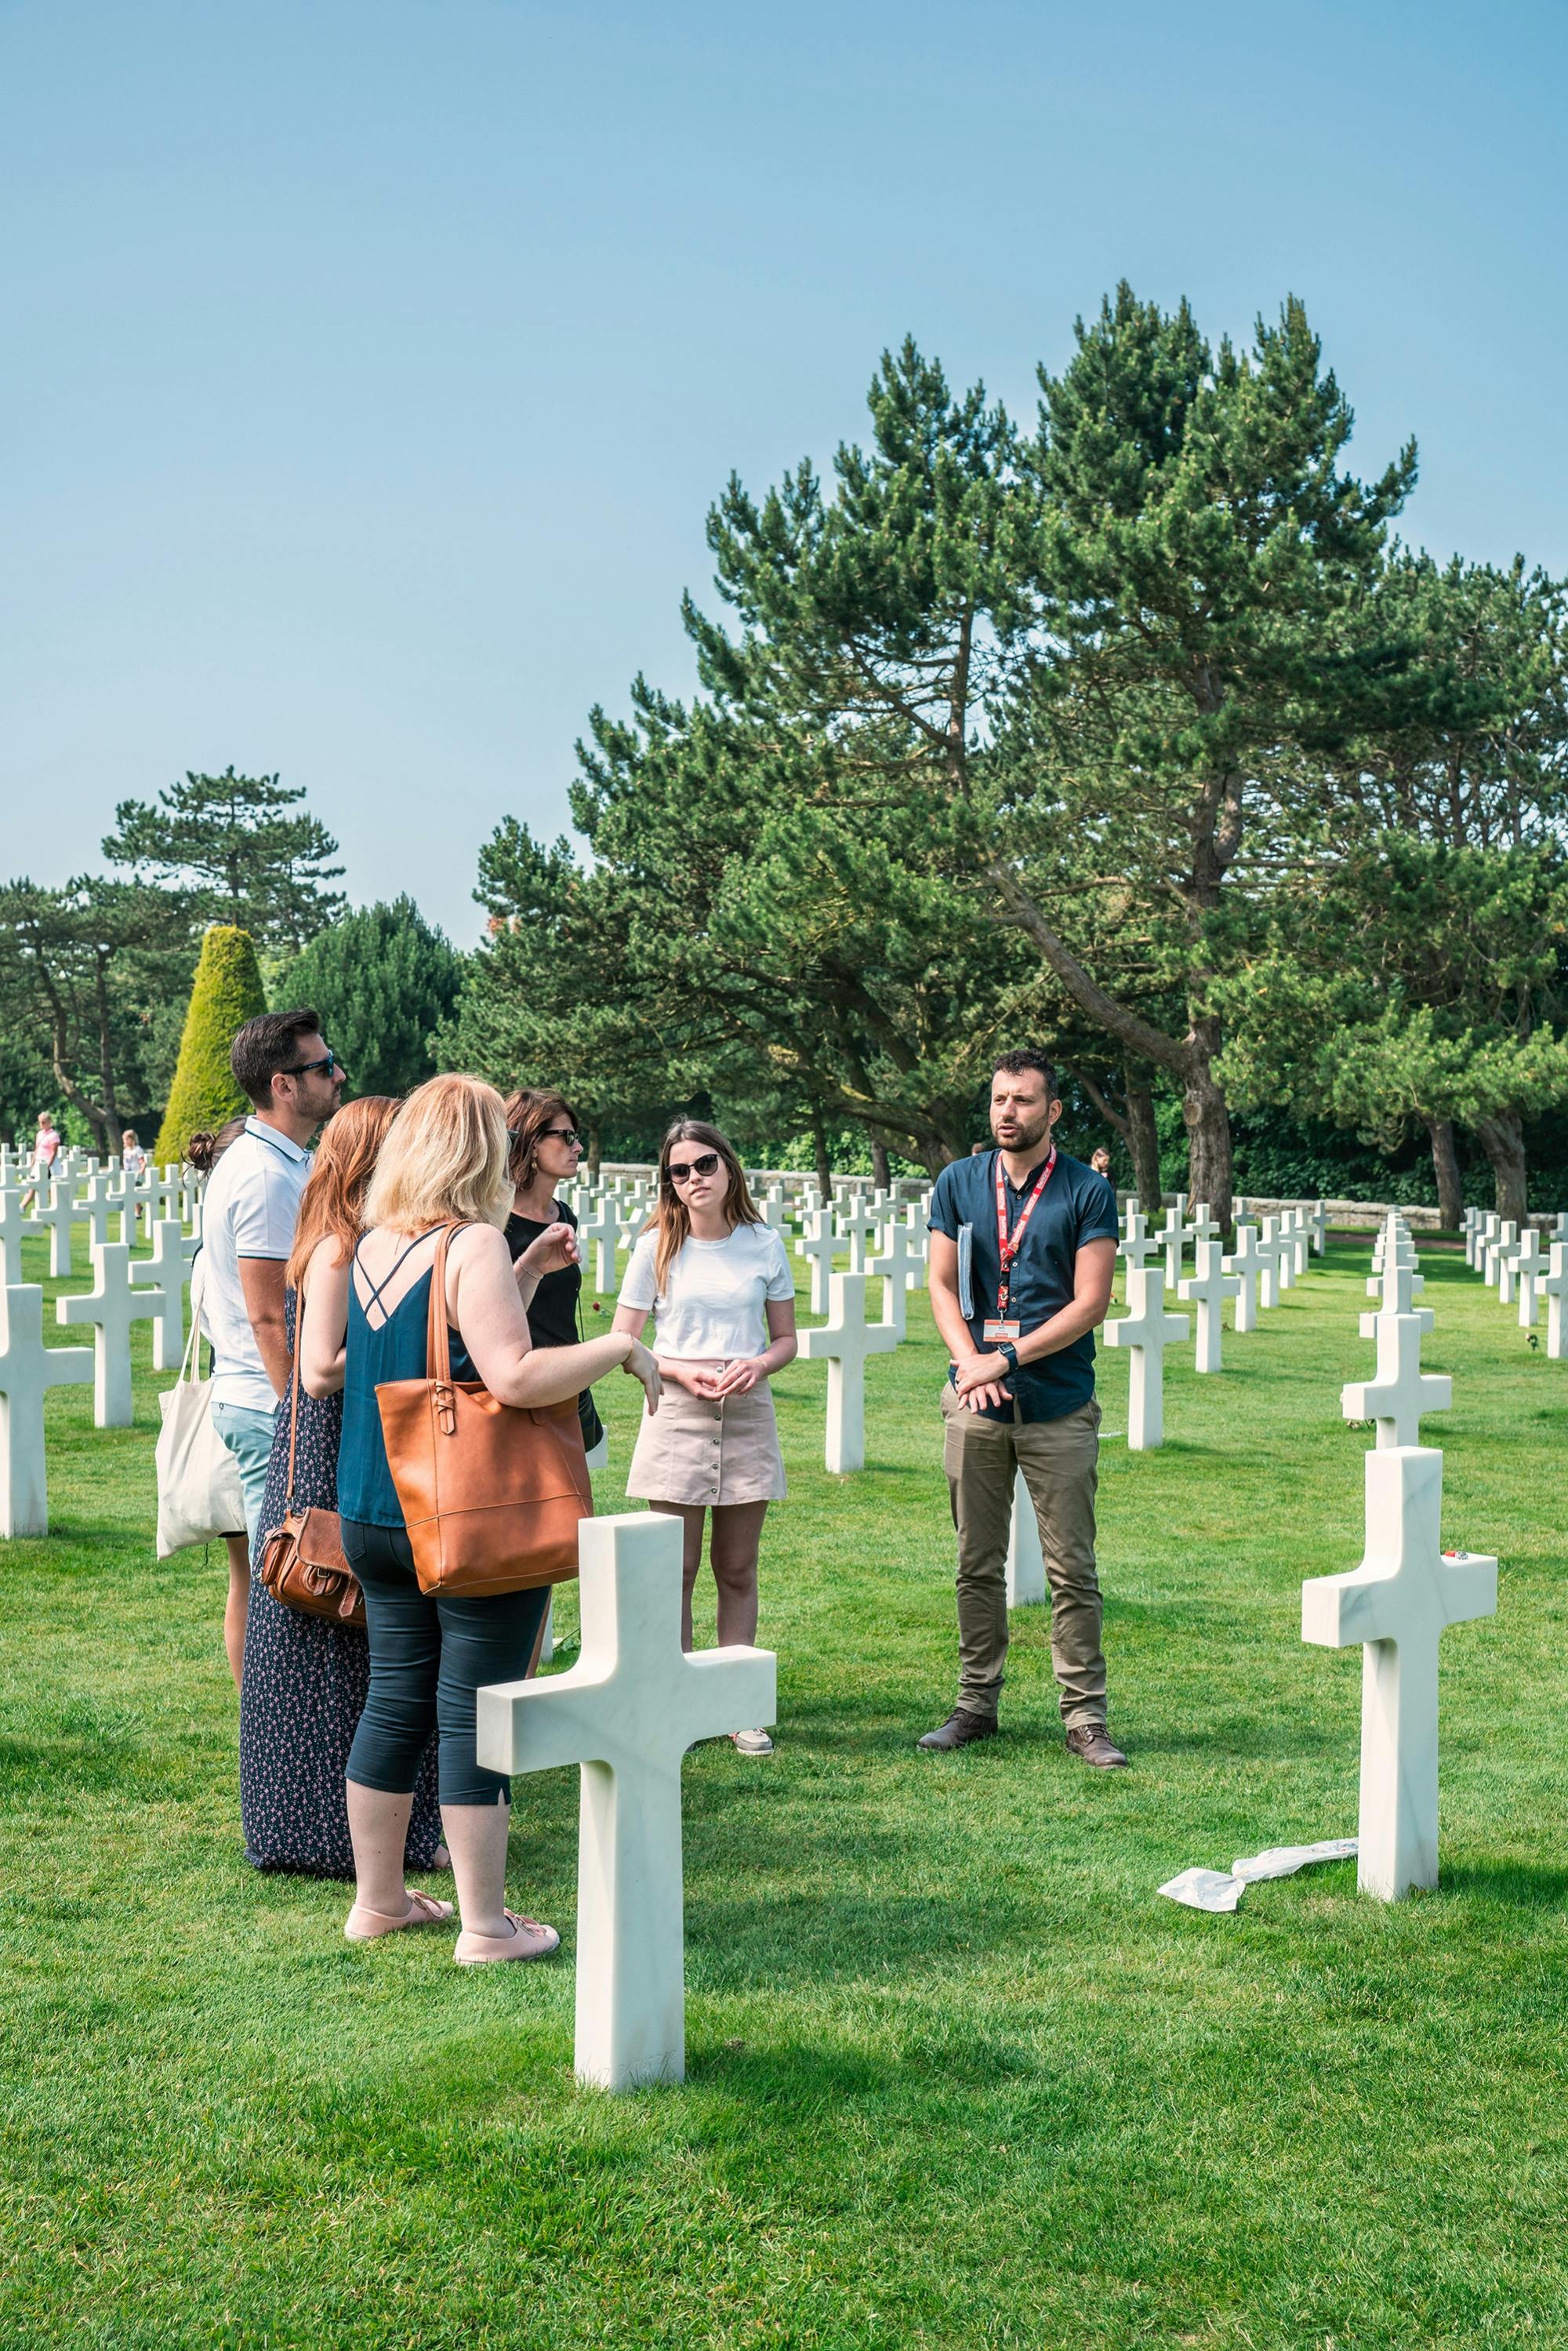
(1008, 1353)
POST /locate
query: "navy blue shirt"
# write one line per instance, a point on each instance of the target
(1076, 1206)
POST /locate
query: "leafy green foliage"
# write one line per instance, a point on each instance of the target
(383, 980)
(235, 845)
(227, 993)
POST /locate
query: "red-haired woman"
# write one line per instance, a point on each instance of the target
(718, 1281)
(305, 1677)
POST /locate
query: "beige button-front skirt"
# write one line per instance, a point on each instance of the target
(693, 1451)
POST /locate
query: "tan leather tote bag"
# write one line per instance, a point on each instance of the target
(492, 1495)
(302, 1561)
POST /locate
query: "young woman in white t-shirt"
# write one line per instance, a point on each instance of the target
(718, 1283)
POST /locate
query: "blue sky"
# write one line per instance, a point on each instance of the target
(370, 367)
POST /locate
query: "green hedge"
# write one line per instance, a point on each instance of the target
(226, 993)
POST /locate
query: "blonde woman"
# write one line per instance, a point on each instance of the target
(445, 1161)
(725, 1298)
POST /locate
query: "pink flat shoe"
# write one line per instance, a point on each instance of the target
(527, 1940)
(362, 1926)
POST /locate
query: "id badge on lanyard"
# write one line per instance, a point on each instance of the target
(1002, 1324)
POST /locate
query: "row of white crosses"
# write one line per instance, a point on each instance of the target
(1407, 1590)
(1516, 1265)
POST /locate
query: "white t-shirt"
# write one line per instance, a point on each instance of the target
(250, 1209)
(712, 1304)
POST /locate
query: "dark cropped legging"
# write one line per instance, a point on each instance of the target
(428, 1657)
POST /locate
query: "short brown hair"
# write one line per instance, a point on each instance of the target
(529, 1110)
(1013, 1065)
(332, 1202)
(264, 1047)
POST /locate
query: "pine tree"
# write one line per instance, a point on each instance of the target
(227, 993)
(382, 979)
(243, 847)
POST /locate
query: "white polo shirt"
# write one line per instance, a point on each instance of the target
(249, 1209)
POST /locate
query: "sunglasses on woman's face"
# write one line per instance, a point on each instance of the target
(706, 1165)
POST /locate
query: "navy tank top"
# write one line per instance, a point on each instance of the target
(391, 1350)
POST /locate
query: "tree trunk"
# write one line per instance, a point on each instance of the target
(1207, 1123)
(1446, 1168)
(595, 1148)
(820, 1153)
(1144, 1144)
(881, 1173)
(1502, 1140)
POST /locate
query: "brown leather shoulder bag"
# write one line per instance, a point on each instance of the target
(302, 1561)
(492, 1494)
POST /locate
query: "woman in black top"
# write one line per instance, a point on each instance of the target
(546, 1149)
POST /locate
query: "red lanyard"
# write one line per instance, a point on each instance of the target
(1008, 1248)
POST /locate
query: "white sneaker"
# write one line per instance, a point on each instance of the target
(752, 1742)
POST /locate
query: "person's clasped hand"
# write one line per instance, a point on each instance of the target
(735, 1379)
(555, 1250)
(978, 1381)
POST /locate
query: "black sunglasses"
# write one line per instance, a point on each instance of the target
(329, 1062)
(706, 1165)
(546, 1134)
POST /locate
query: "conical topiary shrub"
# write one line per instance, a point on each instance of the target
(228, 992)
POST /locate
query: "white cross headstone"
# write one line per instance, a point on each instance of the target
(166, 1272)
(1173, 1239)
(94, 1207)
(1026, 1561)
(14, 1223)
(773, 1212)
(1138, 1244)
(1247, 1261)
(1553, 1288)
(602, 1231)
(1301, 1241)
(1271, 1250)
(109, 1307)
(1468, 1223)
(626, 1712)
(1395, 1287)
(1398, 1604)
(892, 1266)
(846, 1341)
(1202, 1227)
(1318, 1225)
(1530, 1264)
(57, 1216)
(28, 1371)
(1400, 1392)
(1207, 1289)
(1148, 1331)
(816, 1245)
(857, 1227)
(919, 1245)
(1501, 1237)
(1507, 1262)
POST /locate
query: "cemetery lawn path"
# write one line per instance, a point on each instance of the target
(958, 2076)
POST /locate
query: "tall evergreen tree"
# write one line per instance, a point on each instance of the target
(243, 847)
(226, 993)
(383, 980)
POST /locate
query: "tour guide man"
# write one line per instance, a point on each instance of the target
(1023, 1247)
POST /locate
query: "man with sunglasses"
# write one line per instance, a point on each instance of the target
(294, 1082)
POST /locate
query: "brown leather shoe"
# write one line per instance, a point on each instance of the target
(960, 1729)
(1091, 1744)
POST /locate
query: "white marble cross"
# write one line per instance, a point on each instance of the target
(846, 1341)
(166, 1272)
(1396, 1286)
(857, 1227)
(817, 1245)
(1318, 1225)
(94, 1210)
(1138, 1245)
(1207, 1289)
(1502, 1237)
(1284, 1246)
(626, 1712)
(1248, 1261)
(1398, 1604)
(1300, 1238)
(13, 1225)
(918, 1244)
(893, 1265)
(57, 1216)
(1271, 1250)
(1530, 1263)
(109, 1307)
(1148, 1331)
(1026, 1561)
(1400, 1392)
(28, 1371)
(1468, 1224)
(1173, 1237)
(1553, 1287)
(603, 1231)
(1506, 1262)
(773, 1212)
(1202, 1227)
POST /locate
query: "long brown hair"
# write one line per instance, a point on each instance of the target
(670, 1219)
(529, 1110)
(334, 1197)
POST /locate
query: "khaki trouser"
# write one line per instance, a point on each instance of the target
(1059, 1460)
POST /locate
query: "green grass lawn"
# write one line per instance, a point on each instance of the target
(957, 2076)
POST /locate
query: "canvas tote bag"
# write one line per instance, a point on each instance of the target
(492, 1495)
(200, 1497)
